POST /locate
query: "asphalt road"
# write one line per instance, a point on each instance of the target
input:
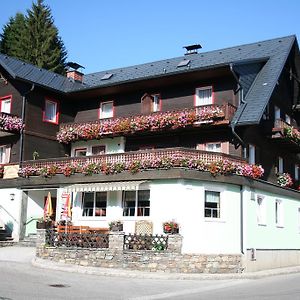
(20, 280)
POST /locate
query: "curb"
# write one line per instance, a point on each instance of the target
(45, 264)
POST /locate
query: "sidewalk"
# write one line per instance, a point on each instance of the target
(47, 264)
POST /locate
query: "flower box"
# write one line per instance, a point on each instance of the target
(171, 227)
(116, 226)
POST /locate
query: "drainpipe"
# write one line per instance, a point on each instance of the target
(242, 218)
(23, 120)
(240, 89)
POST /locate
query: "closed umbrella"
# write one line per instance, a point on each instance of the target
(48, 210)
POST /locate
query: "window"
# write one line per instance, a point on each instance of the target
(251, 158)
(136, 203)
(5, 104)
(51, 111)
(94, 204)
(212, 204)
(156, 102)
(98, 150)
(297, 172)
(4, 154)
(261, 211)
(280, 165)
(276, 113)
(80, 152)
(287, 119)
(106, 110)
(279, 213)
(213, 147)
(204, 96)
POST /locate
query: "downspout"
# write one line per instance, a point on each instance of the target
(242, 219)
(240, 89)
(23, 120)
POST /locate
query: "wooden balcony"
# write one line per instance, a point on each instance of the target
(158, 121)
(133, 156)
(286, 135)
(9, 124)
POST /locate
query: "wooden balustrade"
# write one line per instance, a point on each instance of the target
(228, 110)
(129, 157)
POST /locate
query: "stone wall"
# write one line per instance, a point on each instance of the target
(170, 260)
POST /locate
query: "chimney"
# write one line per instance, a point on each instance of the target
(72, 71)
(192, 49)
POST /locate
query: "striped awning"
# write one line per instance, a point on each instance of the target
(105, 186)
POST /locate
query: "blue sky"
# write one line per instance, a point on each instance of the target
(102, 35)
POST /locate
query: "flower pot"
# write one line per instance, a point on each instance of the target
(172, 231)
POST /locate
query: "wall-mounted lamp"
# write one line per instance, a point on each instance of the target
(12, 196)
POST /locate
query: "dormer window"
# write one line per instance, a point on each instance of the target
(204, 96)
(50, 113)
(5, 104)
(106, 110)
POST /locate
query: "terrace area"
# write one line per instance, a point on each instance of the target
(143, 160)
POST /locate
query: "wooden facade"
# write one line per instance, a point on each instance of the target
(176, 92)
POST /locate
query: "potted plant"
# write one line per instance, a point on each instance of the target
(171, 227)
(116, 226)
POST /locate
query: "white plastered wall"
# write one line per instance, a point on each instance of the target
(10, 211)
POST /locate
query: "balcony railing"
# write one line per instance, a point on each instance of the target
(10, 123)
(286, 132)
(215, 163)
(170, 120)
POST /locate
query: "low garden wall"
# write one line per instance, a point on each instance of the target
(115, 256)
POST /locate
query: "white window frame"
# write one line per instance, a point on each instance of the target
(87, 148)
(279, 213)
(146, 210)
(54, 118)
(77, 150)
(261, 210)
(4, 154)
(156, 102)
(103, 115)
(218, 209)
(280, 165)
(94, 207)
(7, 100)
(214, 147)
(201, 102)
(251, 158)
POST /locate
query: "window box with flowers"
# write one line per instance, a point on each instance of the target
(285, 180)
(170, 227)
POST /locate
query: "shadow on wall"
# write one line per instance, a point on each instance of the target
(9, 227)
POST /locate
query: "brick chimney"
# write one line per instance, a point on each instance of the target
(75, 75)
(72, 71)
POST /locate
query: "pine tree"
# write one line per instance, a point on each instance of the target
(35, 39)
(12, 38)
(44, 47)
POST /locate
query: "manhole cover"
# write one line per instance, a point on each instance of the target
(58, 285)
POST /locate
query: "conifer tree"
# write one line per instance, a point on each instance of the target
(36, 40)
(12, 38)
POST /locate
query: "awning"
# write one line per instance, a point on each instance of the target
(105, 186)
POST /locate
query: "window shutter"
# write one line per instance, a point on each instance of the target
(147, 102)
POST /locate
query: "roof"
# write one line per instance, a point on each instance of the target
(258, 79)
(27, 72)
